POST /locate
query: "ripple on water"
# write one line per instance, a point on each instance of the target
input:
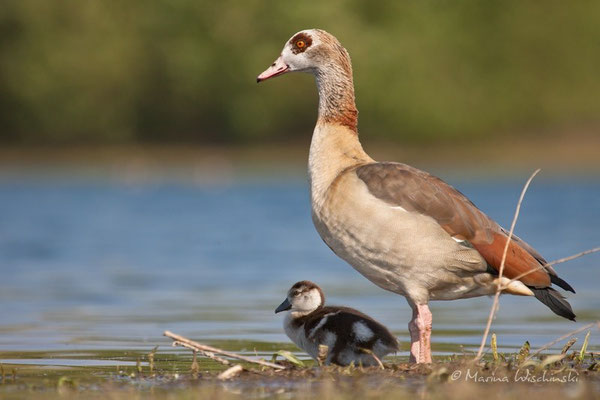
(100, 265)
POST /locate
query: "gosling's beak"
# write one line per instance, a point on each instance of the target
(276, 69)
(286, 305)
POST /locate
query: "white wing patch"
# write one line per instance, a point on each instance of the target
(463, 242)
(329, 339)
(322, 322)
(362, 331)
(398, 208)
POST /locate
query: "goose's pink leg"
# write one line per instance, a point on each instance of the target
(420, 334)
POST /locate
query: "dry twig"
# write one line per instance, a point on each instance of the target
(210, 351)
(377, 360)
(501, 269)
(207, 354)
(230, 372)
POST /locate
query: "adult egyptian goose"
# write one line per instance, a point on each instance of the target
(404, 229)
(350, 336)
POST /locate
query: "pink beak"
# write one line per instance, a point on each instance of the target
(276, 69)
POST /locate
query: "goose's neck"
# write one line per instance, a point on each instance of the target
(336, 97)
(335, 146)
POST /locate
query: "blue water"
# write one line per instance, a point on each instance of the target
(102, 263)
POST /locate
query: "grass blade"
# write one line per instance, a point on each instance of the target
(524, 352)
(551, 360)
(290, 357)
(495, 347)
(584, 347)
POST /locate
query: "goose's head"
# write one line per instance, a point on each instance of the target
(302, 298)
(310, 50)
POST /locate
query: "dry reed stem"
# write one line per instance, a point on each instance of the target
(501, 269)
(207, 354)
(563, 337)
(204, 349)
(230, 372)
(377, 360)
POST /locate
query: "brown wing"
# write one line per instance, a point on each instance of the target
(417, 191)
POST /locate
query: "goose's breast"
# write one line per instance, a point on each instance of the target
(392, 247)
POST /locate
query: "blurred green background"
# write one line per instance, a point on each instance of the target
(173, 71)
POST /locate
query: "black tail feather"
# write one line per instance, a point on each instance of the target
(555, 301)
(561, 283)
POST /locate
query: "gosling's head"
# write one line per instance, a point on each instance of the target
(303, 298)
(310, 50)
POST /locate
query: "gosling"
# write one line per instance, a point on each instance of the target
(350, 336)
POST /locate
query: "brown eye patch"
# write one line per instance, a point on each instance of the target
(300, 43)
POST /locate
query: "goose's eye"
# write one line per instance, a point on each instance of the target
(300, 44)
(296, 293)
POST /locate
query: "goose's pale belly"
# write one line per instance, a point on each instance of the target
(403, 252)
